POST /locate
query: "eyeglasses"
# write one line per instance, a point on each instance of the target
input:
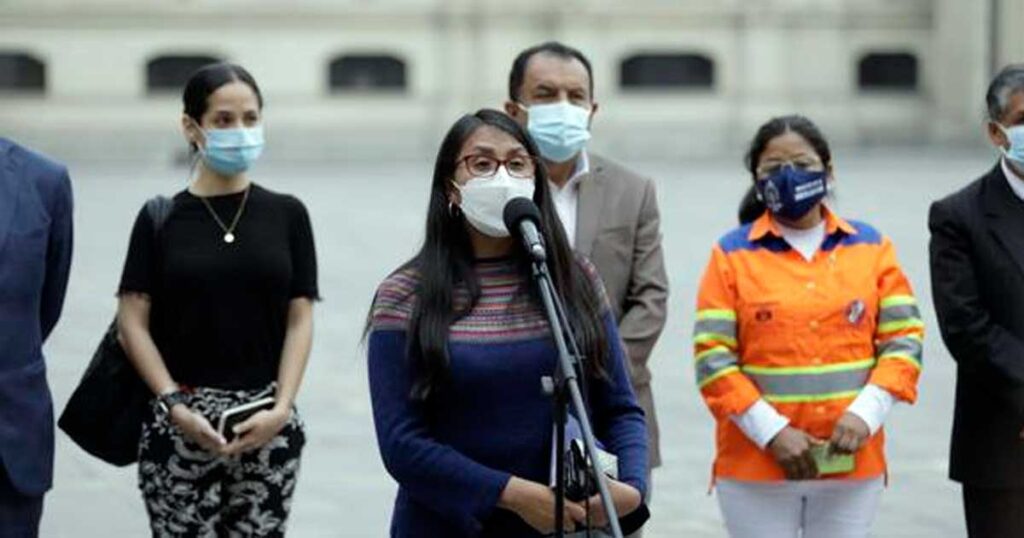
(771, 168)
(520, 166)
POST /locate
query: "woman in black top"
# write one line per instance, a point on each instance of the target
(215, 312)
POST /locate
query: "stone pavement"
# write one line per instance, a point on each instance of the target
(369, 218)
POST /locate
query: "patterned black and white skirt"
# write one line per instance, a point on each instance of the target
(190, 492)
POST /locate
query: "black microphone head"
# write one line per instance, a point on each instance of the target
(518, 209)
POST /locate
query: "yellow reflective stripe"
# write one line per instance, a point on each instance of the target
(894, 326)
(902, 357)
(898, 300)
(704, 338)
(713, 351)
(713, 313)
(798, 370)
(810, 398)
(722, 373)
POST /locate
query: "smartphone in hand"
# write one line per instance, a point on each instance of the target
(238, 414)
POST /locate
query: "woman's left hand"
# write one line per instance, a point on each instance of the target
(626, 499)
(257, 430)
(850, 434)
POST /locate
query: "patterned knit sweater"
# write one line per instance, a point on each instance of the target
(453, 455)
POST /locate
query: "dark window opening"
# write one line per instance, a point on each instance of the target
(22, 72)
(888, 71)
(667, 71)
(367, 72)
(170, 73)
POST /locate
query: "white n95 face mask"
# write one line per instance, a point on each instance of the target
(484, 199)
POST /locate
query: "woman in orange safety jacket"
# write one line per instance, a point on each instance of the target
(807, 333)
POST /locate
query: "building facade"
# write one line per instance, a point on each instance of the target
(384, 78)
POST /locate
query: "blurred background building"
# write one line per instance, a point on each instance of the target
(356, 79)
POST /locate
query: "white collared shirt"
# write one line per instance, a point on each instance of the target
(567, 198)
(806, 242)
(1015, 181)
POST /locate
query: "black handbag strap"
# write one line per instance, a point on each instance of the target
(159, 210)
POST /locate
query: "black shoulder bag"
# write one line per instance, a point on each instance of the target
(105, 413)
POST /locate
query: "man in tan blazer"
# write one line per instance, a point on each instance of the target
(609, 213)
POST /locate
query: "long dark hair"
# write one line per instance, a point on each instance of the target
(750, 206)
(445, 265)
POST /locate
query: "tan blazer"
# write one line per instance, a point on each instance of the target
(617, 228)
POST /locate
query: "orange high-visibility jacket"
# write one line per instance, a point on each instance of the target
(805, 336)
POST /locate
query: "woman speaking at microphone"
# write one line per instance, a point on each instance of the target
(459, 342)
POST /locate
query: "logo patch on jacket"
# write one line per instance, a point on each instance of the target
(763, 315)
(855, 312)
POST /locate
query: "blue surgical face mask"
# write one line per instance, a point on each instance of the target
(229, 152)
(1015, 135)
(791, 193)
(561, 130)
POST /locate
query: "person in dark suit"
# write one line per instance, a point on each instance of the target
(35, 260)
(977, 270)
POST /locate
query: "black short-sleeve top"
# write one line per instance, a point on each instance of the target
(219, 310)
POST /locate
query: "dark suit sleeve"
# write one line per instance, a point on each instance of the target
(973, 338)
(644, 310)
(58, 254)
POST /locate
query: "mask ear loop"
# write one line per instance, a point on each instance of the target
(1009, 141)
(196, 150)
(454, 211)
(195, 154)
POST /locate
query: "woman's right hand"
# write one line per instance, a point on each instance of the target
(195, 427)
(535, 504)
(792, 449)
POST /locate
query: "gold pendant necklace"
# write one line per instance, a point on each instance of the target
(229, 231)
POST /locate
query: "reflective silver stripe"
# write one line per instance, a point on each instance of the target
(720, 327)
(908, 346)
(810, 384)
(898, 313)
(712, 362)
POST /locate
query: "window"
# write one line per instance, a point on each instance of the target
(170, 73)
(887, 71)
(667, 71)
(21, 72)
(367, 72)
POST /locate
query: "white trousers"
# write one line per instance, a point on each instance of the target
(799, 509)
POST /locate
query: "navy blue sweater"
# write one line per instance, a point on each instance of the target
(453, 455)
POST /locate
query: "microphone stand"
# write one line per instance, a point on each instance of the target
(564, 388)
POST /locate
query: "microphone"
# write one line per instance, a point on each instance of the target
(522, 218)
